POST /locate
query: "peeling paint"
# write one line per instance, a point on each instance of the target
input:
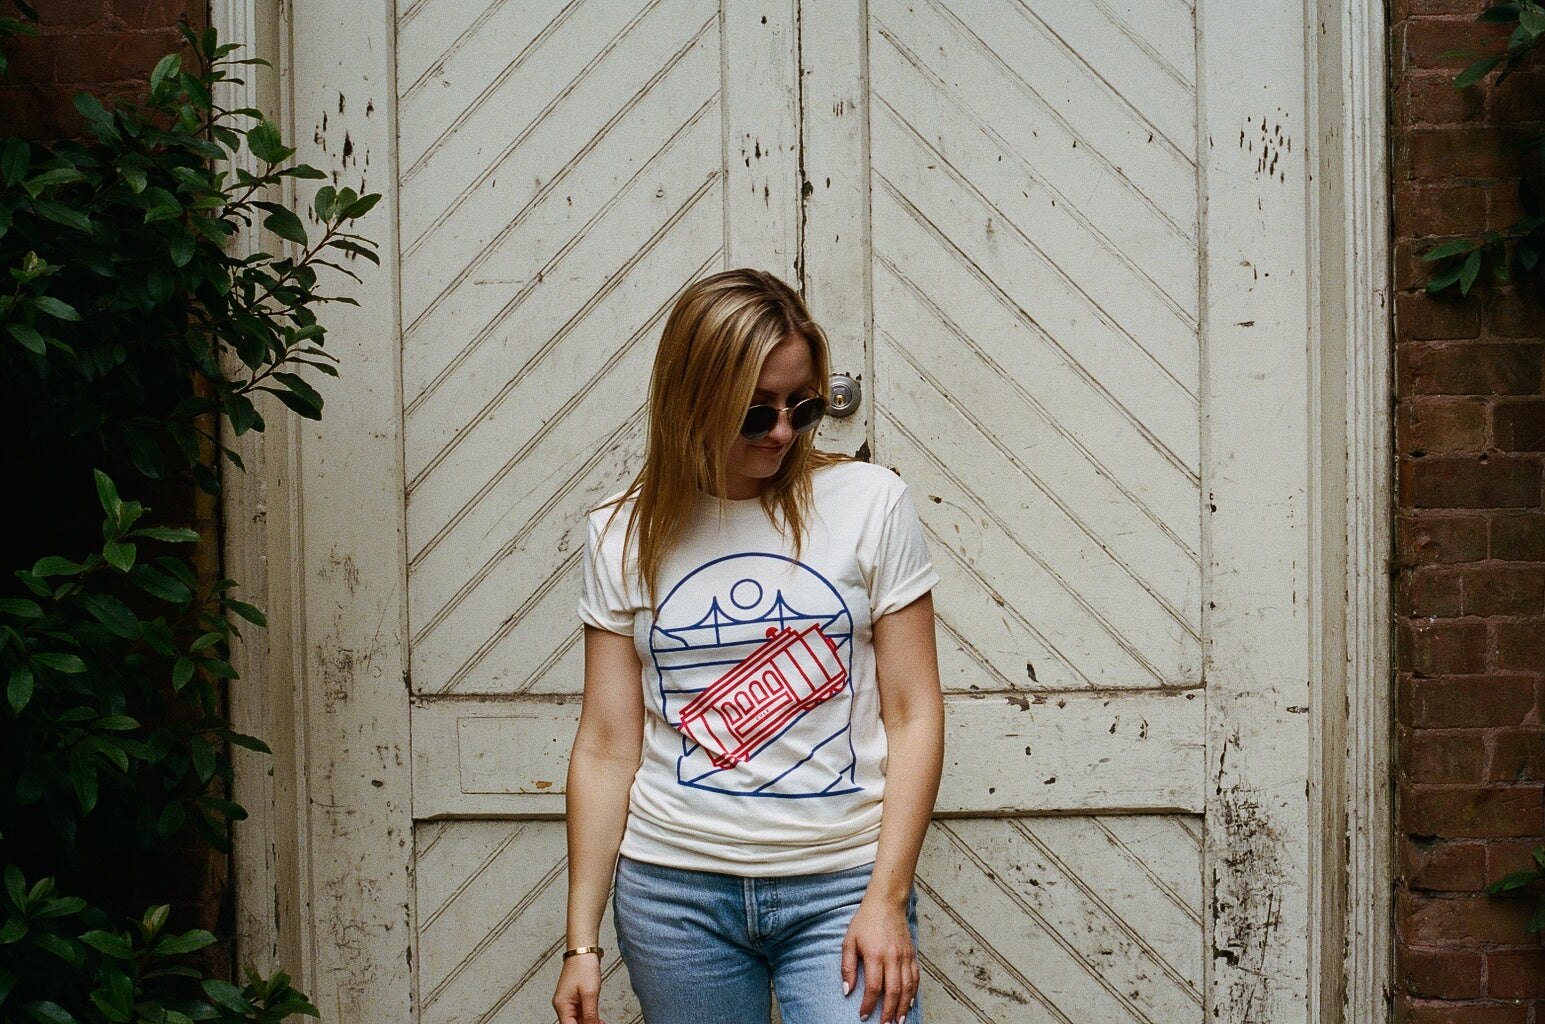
(1249, 881)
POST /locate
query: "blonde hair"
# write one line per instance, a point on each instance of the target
(705, 373)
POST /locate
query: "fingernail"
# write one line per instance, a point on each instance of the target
(902, 1019)
(847, 988)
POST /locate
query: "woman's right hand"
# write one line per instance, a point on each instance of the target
(579, 990)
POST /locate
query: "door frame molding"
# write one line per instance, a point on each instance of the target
(322, 869)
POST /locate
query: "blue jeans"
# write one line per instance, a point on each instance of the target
(703, 947)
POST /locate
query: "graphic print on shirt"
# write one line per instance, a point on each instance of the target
(753, 654)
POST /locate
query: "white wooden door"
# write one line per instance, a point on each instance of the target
(1062, 243)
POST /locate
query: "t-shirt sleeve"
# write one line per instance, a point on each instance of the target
(603, 599)
(902, 570)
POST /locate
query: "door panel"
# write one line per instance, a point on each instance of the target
(1001, 211)
(532, 298)
(488, 892)
(1074, 919)
(1046, 405)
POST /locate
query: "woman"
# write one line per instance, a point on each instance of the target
(758, 634)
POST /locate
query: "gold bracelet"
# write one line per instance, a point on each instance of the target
(577, 950)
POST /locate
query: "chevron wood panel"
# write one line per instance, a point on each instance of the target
(559, 161)
(1036, 353)
(1065, 919)
(490, 925)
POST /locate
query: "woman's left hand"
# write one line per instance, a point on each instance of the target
(880, 938)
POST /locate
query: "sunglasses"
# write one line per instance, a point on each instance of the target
(760, 419)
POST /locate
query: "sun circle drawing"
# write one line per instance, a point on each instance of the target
(753, 653)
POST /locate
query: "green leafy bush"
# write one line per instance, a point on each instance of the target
(129, 328)
(1512, 252)
(1521, 883)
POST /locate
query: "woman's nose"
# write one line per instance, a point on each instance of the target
(782, 431)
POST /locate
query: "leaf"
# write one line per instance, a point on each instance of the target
(265, 143)
(115, 946)
(1447, 249)
(55, 308)
(170, 534)
(134, 177)
(219, 669)
(83, 779)
(14, 160)
(119, 555)
(296, 404)
(113, 614)
(60, 213)
(62, 906)
(117, 723)
(166, 68)
(241, 413)
(187, 942)
(143, 451)
(249, 742)
(182, 248)
(203, 757)
(53, 176)
(1443, 280)
(361, 206)
(159, 584)
(111, 1010)
(252, 614)
(1516, 880)
(18, 692)
(155, 918)
(49, 1012)
(223, 993)
(301, 388)
(171, 819)
(29, 338)
(1536, 920)
(228, 809)
(1498, 14)
(356, 249)
(52, 565)
(182, 672)
(107, 494)
(112, 751)
(326, 198)
(1469, 271)
(16, 886)
(69, 664)
(61, 948)
(20, 607)
(286, 225)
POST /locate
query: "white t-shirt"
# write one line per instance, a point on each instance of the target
(764, 752)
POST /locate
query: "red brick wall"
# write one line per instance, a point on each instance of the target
(104, 47)
(1470, 548)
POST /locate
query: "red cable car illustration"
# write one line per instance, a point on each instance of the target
(757, 699)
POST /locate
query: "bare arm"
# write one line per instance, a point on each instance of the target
(604, 760)
(907, 668)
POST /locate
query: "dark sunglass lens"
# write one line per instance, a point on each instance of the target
(759, 422)
(806, 414)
